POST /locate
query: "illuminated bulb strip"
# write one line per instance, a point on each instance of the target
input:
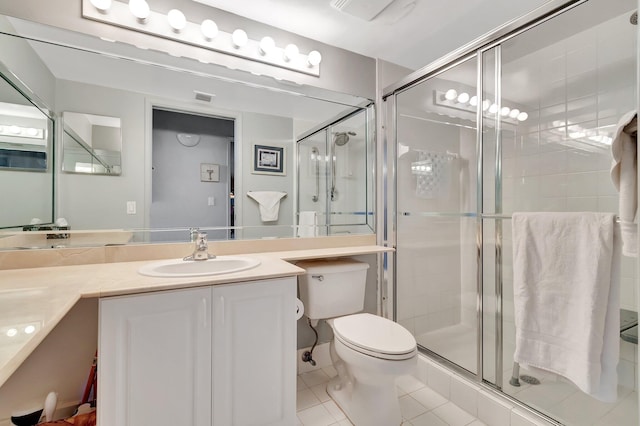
(205, 35)
(21, 132)
(463, 101)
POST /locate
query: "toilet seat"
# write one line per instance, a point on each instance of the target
(375, 336)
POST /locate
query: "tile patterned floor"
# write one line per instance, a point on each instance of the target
(420, 406)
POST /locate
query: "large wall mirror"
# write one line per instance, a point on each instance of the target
(104, 82)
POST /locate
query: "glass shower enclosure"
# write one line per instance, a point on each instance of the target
(522, 122)
(335, 176)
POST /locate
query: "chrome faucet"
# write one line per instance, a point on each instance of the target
(201, 250)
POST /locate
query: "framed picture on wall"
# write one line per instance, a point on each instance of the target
(268, 160)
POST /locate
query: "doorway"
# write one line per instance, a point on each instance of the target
(192, 174)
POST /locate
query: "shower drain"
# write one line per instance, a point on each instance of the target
(529, 379)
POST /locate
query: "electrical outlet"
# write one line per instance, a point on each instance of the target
(131, 207)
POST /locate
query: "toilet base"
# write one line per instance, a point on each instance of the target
(366, 405)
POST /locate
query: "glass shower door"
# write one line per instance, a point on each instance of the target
(437, 252)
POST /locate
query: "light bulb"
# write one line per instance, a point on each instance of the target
(32, 132)
(29, 329)
(504, 111)
(139, 9)
(290, 52)
(463, 98)
(239, 38)
(103, 6)
(314, 58)
(493, 108)
(522, 116)
(267, 44)
(450, 95)
(514, 113)
(209, 29)
(12, 332)
(177, 20)
(486, 104)
(14, 129)
(473, 101)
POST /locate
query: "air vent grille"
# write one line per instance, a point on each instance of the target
(363, 9)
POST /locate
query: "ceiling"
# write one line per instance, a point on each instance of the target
(411, 33)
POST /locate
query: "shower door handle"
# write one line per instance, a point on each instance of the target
(316, 155)
(333, 170)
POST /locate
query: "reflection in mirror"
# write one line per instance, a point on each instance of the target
(91, 144)
(25, 153)
(334, 182)
(273, 114)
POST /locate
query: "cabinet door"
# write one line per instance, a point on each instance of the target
(254, 347)
(155, 359)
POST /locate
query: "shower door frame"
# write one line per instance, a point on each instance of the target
(477, 48)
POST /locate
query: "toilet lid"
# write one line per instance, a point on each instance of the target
(375, 335)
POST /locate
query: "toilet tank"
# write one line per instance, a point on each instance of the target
(332, 288)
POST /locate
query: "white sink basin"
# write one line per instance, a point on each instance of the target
(198, 268)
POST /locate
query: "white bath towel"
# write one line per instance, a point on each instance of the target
(624, 173)
(268, 202)
(307, 224)
(566, 297)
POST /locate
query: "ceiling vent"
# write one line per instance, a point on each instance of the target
(363, 9)
(202, 96)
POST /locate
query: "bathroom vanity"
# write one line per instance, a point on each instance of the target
(222, 354)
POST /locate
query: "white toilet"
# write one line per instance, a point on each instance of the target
(368, 351)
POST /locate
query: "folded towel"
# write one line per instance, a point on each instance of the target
(624, 172)
(268, 202)
(308, 224)
(567, 297)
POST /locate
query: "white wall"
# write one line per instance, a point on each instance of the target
(99, 202)
(274, 131)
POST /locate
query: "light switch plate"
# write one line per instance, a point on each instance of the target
(209, 172)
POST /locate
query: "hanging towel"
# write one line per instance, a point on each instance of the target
(308, 224)
(567, 297)
(268, 202)
(624, 173)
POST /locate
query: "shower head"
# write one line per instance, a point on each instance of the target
(634, 18)
(341, 138)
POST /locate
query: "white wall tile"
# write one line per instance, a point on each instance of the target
(493, 411)
(438, 379)
(464, 395)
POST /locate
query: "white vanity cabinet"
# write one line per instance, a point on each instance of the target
(220, 355)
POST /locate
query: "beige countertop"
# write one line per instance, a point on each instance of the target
(36, 299)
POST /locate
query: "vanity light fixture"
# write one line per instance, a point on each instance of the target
(177, 20)
(21, 132)
(451, 98)
(137, 16)
(209, 29)
(140, 9)
(103, 6)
